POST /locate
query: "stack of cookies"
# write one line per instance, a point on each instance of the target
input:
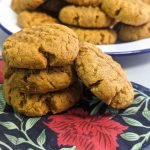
(38, 70)
(92, 20)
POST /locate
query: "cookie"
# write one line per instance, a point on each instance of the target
(131, 33)
(146, 1)
(40, 81)
(21, 5)
(96, 36)
(38, 104)
(41, 46)
(131, 12)
(29, 19)
(88, 17)
(103, 76)
(85, 2)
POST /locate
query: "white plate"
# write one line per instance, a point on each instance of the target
(8, 21)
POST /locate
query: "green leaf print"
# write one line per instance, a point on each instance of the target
(131, 110)
(71, 148)
(11, 138)
(9, 125)
(137, 146)
(31, 122)
(146, 114)
(20, 141)
(42, 138)
(138, 99)
(132, 122)
(2, 101)
(130, 136)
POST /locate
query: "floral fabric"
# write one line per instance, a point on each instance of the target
(90, 125)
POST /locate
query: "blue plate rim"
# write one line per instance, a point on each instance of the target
(137, 52)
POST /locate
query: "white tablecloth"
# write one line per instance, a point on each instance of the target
(137, 67)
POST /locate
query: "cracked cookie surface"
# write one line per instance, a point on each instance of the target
(38, 47)
(38, 104)
(130, 12)
(96, 36)
(29, 19)
(105, 77)
(40, 81)
(88, 17)
(21, 5)
(131, 33)
(85, 2)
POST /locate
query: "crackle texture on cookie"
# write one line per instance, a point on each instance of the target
(96, 36)
(40, 81)
(29, 19)
(132, 12)
(89, 17)
(85, 2)
(38, 104)
(105, 77)
(21, 5)
(131, 33)
(41, 46)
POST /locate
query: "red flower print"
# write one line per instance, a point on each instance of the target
(77, 128)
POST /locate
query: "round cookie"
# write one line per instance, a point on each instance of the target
(130, 12)
(105, 77)
(41, 46)
(131, 33)
(88, 17)
(39, 105)
(85, 2)
(29, 19)
(96, 36)
(40, 81)
(21, 5)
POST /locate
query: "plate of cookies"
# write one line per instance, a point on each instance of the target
(118, 27)
(62, 94)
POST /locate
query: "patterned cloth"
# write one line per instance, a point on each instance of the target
(90, 125)
(1, 75)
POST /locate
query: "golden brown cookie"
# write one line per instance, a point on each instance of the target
(39, 105)
(40, 81)
(105, 77)
(132, 12)
(96, 36)
(85, 2)
(29, 19)
(41, 46)
(88, 17)
(131, 33)
(21, 5)
(146, 1)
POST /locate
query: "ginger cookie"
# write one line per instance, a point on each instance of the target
(96, 36)
(41, 46)
(103, 76)
(29, 19)
(21, 5)
(146, 1)
(41, 104)
(85, 2)
(131, 33)
(40, 81)
(88, 17)
(131, 12)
